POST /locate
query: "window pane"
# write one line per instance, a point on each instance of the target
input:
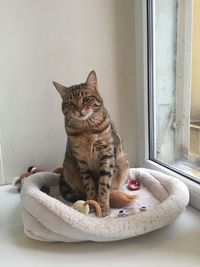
(174, 70)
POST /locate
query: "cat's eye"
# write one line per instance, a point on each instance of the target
(86, 98)
(69, 103)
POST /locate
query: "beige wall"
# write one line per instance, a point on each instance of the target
(195, 100)
(61, 40)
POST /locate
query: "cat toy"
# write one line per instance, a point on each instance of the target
(30, 171)
(134, 185)
(128, 211)
(84, 206)
(118, 199)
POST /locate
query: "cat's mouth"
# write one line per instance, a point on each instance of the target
(82, 116)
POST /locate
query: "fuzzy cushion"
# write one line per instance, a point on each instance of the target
(50, 218)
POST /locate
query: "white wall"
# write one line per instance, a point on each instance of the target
(61, 40)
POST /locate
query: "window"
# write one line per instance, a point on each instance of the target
(174, 131)
(168, 62)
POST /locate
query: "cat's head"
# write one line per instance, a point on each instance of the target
(80, 101)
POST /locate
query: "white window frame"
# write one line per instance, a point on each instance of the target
(142, 103)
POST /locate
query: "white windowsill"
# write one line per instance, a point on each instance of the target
(175, 245)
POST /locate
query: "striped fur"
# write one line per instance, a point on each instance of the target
(94, 160)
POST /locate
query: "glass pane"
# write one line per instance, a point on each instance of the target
(174, 64)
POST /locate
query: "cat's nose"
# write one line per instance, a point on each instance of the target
(79, 110)
(83, 112)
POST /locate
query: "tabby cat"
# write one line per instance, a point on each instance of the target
(94, 161)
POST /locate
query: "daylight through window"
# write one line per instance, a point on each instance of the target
(174, 84)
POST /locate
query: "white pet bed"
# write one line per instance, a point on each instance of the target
(47, 218)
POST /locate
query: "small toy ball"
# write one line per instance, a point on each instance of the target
(81, 207)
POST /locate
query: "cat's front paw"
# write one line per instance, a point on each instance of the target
(105, 210)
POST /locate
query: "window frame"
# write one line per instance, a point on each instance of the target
(142, 96)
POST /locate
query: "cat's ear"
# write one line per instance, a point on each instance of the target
(92, 79)
(60, 88)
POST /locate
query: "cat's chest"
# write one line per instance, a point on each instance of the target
(90, 148)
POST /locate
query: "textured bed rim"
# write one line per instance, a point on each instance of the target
(46, 218)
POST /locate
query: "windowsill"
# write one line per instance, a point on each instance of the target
(187, 167)
(175, 245)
